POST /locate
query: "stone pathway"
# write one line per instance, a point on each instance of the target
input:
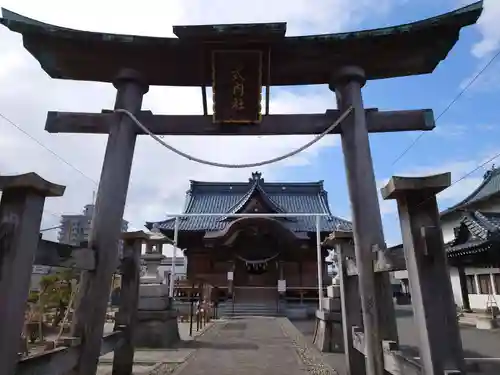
(253, 346)
(155, 361)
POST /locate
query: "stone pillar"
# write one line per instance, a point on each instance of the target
(375, 290)
(463, 288)
(352, 317)
(328, 335)
(21, 208)
(93, 295)
(126, 318)
(440, 346)
(156, 319)
(159, 247)
(149, 247)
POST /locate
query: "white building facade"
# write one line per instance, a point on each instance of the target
(75, 229)
(165, 269)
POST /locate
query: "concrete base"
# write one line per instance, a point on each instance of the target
(402, 300)
(333, 291)
(486, 323)
(328, 335)
(156, 330)
(331, 304)
(296, 313)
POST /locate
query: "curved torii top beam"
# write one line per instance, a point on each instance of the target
(397, 51)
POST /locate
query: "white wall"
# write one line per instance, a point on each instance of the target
(399, 275)
(180, 271)
(180, 267)
(477, 301)
(448, 224)
(455, 285)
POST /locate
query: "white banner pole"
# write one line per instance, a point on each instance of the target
(320, 263)
(174, 258)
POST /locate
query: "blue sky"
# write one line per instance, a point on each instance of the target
(465, 136)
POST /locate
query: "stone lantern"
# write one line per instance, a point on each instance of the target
(156, 319)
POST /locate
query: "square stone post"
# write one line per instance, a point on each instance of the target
(21, 209)
(350, 302)
(92, 301)
(379, 318)
(432, 296)
(126, 319)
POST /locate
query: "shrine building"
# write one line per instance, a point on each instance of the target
(245, 257)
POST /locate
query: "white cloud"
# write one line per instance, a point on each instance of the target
(489, 28)
(484, 50)
(463, 181)
(159, 178)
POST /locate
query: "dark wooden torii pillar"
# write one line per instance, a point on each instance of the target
(92, 300)
(375, 291)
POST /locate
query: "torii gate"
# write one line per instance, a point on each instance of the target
(206, 55)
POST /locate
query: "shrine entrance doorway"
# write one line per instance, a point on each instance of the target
(256, 280)
(257, 249)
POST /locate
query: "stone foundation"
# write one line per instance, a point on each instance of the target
(156, 320)
(156, 329)
(486, 322)
(328, 336)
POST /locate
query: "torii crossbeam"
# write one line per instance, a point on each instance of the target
(292, 124)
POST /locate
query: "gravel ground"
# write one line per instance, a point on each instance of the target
(476, 343)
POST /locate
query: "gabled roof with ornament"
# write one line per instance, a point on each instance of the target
(232, 197)
(477, 232)
(489, 188)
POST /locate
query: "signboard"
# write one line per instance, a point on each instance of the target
(281, 286)
(40, 270)
(237, 86)
(230, 275)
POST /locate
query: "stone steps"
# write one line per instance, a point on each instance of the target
(248, 309)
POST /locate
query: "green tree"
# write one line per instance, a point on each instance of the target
(56, 291)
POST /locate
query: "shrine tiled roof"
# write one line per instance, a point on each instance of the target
(487, 189)
(230, 198)
(476, 233)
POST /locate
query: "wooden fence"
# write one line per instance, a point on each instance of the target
(21, 208)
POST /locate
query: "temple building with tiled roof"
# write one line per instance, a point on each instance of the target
(485, 198)
(246, 256)
(477, 238)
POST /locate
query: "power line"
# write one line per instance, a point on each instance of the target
(465, 175)
(455, 99)
(59, 157)
(47, 148)
(475, 169)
